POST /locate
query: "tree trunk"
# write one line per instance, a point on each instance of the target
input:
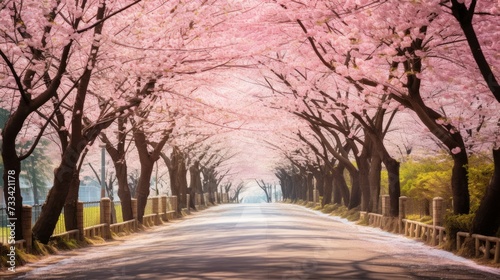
(459, 182)
(374, 181)
(320, 184)
(46, 223)
(12, 190)
(310, 186)
(364, 181)
(327, 186)
(70, 207)
(355, 199)
(487, 218)
(124, 191)
(195, 181)
(178, 181)
(392, 167)
(147, 159)
(342, 190)
(143, 188)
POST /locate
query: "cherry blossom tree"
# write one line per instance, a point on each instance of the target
(38, 54)
(486, 220)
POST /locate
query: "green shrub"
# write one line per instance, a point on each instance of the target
(328, 208)
(454, 224)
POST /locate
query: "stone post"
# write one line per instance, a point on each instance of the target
(437, 211)
(188, 204)
(163, 202)
(79, 220)
(106, 216)
(173, 203)
(386, 205)
(156, 204)
(402, 212)
(437, 218)
(26, 226)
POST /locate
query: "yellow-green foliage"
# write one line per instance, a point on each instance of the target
(352, 214)
(328, 208)
(318, 207)
(430, 177)
(339, 210)
(65, 244)
(418, 218)
(21, 257)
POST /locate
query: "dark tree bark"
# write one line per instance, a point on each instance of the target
(319, 175)
(487, 218)
(364, 180)
(178, 181)
(392, 167)
(147, 159)
(310, 186)
(117, 155)
(374, 181)
(70, 206)
(195, 180)
(328, 187)
(341, 190)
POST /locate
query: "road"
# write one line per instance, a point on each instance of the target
(260, 241)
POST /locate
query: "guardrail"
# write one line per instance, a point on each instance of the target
(95, 219)
(487, 247)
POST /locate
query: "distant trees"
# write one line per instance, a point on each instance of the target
(38, 170)
(267, 188)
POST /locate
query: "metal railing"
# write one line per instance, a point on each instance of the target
(91, 213)
(4, 230)
(149, 207)
(118, 211)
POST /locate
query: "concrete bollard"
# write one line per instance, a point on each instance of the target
(156, 209)
(164, 209)
(26, 226)
(386, 205)
(403, 200)
(437, 211)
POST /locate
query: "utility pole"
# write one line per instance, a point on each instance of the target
(103, 171)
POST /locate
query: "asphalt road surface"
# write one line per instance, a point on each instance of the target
(259, 241)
